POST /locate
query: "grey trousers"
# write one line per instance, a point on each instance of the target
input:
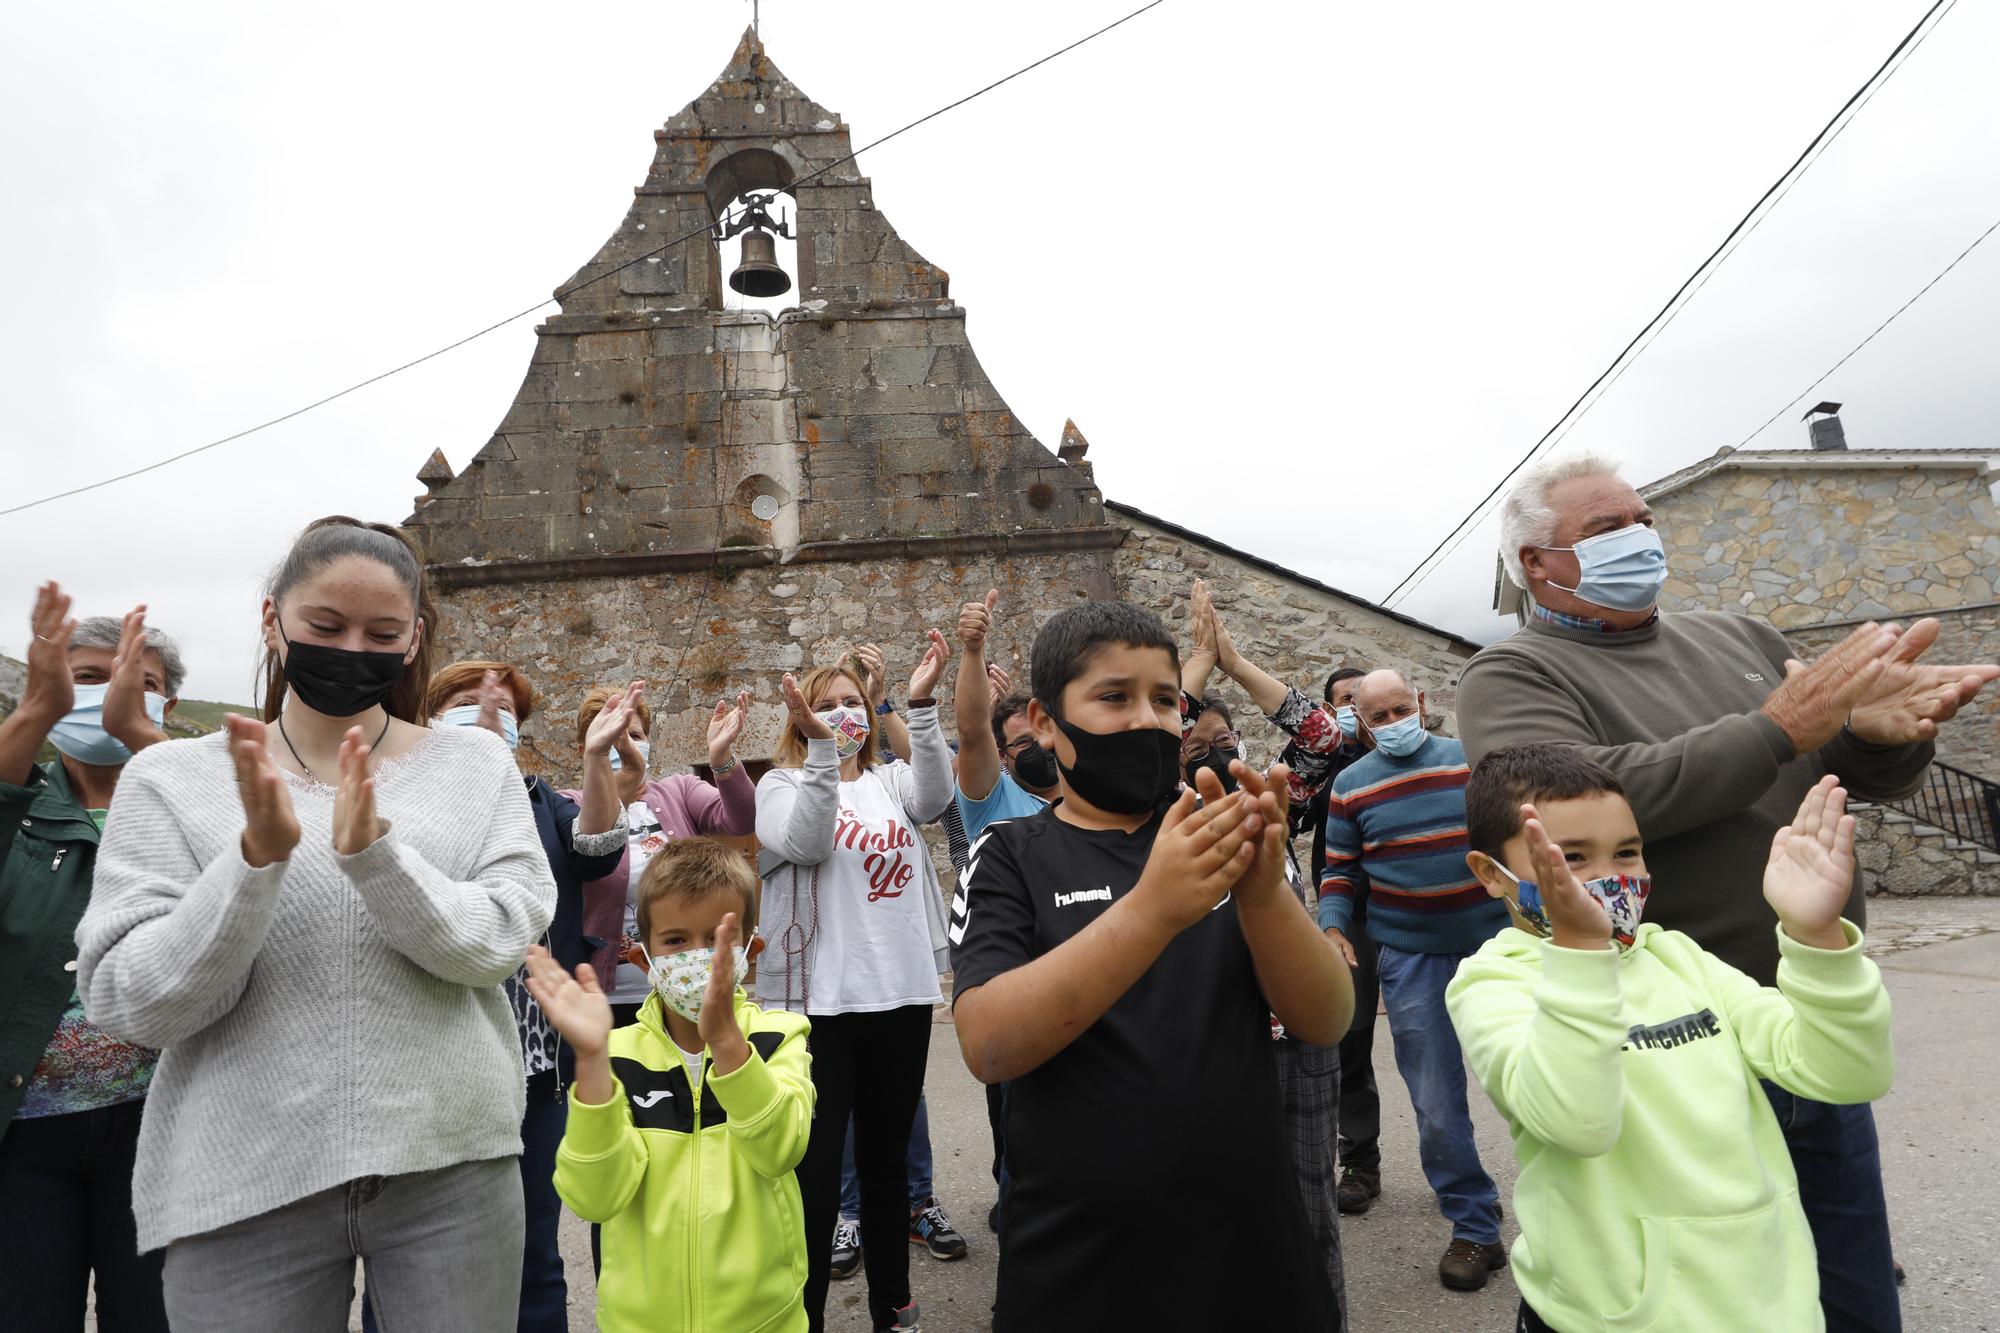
(1309, 1079)
(442, 1250)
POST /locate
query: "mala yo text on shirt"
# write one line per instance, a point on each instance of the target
(889, 871)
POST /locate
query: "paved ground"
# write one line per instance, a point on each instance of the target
(1942, 961)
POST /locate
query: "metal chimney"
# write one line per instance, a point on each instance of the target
(1827, 432)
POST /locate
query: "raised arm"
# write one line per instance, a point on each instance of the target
(600, 806)
(796, 808)
(166, 945)
(729, 807)
(48, 694)
(972, 702)
(926, 786)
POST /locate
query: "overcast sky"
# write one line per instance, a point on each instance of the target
(1308, 277)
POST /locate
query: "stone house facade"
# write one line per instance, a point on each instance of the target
(706, 497)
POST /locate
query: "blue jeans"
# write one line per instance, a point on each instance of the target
(1433, 1068)
(918, 1164)
(1839, 1165)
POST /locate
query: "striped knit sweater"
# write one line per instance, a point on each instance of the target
(326, 1017)
(1395, 829)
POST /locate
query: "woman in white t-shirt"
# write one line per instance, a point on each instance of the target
(657, 811)
(855, 927)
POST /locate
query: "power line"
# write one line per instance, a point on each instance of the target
(1663, 312)
(1871, 337)
(564, 292)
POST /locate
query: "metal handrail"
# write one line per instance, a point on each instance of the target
(1962, 804)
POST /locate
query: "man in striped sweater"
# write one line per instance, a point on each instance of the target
(1395, 829)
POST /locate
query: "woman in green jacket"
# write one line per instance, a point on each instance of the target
(70, 1095)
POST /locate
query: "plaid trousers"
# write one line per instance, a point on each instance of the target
(1309, 1080)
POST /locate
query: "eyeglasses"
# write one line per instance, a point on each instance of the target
(1193, 751)
(1015, 749)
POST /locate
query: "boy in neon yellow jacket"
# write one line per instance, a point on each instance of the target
(684, 1127)
(1655, 1190)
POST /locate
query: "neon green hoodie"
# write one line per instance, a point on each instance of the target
(703, 1228)
(1655, 1191)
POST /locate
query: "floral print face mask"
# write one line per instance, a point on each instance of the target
(682, 978)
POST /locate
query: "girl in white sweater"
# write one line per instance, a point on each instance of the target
(312, 917)
(852, 912)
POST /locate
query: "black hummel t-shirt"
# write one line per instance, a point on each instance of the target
(1152, 1176)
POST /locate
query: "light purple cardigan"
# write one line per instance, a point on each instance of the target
(685, 806)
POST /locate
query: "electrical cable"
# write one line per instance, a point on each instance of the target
(1390, 598)
(563, 292)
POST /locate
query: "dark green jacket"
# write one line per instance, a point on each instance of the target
(48, 849)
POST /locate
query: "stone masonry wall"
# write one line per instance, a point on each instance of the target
(698, 636)
(1799, 546)
(1297, 632)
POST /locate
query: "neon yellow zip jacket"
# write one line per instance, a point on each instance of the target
(703, 1228)
(1655, 1191)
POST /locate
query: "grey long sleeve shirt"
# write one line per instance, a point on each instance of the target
(1673, 710)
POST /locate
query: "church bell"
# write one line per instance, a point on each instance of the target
(758, 275)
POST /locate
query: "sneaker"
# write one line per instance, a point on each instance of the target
(930, 1226)
(1357, 1189)
(846, 1250)
(1466, 1263)
(908, 1320)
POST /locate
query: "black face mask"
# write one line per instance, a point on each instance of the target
(1035, 767)
(339, 682)
(1123, 772)
(1218, 760)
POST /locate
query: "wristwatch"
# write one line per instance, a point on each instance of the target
(886, 707)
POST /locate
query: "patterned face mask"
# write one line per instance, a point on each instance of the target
(1623, 898)
(849, 727)
(682, 978)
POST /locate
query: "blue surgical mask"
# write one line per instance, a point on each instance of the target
(1621, 570)
(467, 715)
(81, 734)
(1349, 720)
(1400, 739)
(645, 749)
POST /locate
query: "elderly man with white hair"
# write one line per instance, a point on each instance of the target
(1716, 733)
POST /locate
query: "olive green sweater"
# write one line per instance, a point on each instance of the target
(1672, 709)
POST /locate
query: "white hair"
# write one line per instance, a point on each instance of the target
(1526, 516)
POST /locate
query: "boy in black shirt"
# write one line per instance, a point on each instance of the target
(1117, 958)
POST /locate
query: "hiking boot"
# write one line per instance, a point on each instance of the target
(846, 1259)
(1466, 1263)
(1357, 1189)
(907, 1320)
(930, 1227)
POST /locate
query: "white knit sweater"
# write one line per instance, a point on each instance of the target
(327, 1017)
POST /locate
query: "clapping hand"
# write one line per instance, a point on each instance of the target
(125, 716)
(1268, 795)
(1576, 920)
(727, 1049)
(723, 729)
(1199, 854)
(575, 1006)
(610, 728)
(873, 673)
(50, 688)
(491, 695)
(930, 668)
(1907, 700)
(270, 828)
(355, 825)
(809, 724)
(1811, 870)
(1003, 683)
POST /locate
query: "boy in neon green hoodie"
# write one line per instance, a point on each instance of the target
(684, 1127)
(1655, 1190)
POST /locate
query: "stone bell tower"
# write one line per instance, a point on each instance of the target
(705, 497)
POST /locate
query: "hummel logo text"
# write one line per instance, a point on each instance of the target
(1102, 895)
